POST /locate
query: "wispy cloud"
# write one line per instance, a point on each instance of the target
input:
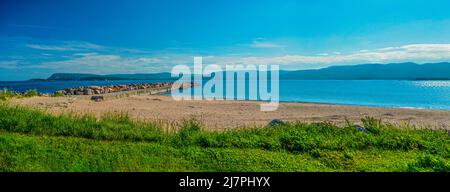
(8, 64)
(67, 46)
(102, 64)
(264, 43)
(260, 44)
(81, 46)
(413, 52)
(52, 47)
(76, 56)
(31, 26)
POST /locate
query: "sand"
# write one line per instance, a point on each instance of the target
(233, 114)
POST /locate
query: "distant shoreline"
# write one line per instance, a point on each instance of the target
(44, 80)
(377, 71)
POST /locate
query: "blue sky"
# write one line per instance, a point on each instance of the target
(41, 37)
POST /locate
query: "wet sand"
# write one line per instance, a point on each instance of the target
(233, 114)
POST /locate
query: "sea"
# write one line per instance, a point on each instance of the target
(380, 93)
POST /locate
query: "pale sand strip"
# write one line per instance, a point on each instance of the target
(231, 114)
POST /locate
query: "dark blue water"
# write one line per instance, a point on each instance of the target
(406, 94)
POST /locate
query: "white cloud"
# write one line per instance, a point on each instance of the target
(113, 61)
(85, 54)
(264, 44)
(427, 47)
(413, 52)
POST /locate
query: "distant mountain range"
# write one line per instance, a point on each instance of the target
(397, 71)
(393, 71)
(90, 77)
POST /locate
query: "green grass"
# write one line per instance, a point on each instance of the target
(31, 93)
(33, 140)
(6, 94)
(58, 94)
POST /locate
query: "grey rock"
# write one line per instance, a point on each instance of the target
(97, 98)
(276, 122)
(360, 128)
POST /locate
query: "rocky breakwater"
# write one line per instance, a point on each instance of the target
(97, 90)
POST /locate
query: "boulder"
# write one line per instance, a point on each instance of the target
(88, 91)
(97, 98)
(97, 91)
(276, 122)
(94, 87)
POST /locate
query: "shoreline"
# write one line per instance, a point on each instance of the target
(336, 104)
(373, 106)
(225, 114)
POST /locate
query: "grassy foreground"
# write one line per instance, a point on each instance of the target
(32, 140)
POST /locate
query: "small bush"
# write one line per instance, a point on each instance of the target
(6, 94)
(372, 125)
(189, 134)
(58, 94)
(31, 93)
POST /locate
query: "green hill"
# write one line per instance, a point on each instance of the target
(91, 77)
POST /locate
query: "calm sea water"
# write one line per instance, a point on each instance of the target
(403, 94)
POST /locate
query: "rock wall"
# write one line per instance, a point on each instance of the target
(96, 90)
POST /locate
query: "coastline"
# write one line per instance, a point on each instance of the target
(219, 115)
(361, 105)
(376, 93)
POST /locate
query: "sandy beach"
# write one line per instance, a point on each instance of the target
(233, 114)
